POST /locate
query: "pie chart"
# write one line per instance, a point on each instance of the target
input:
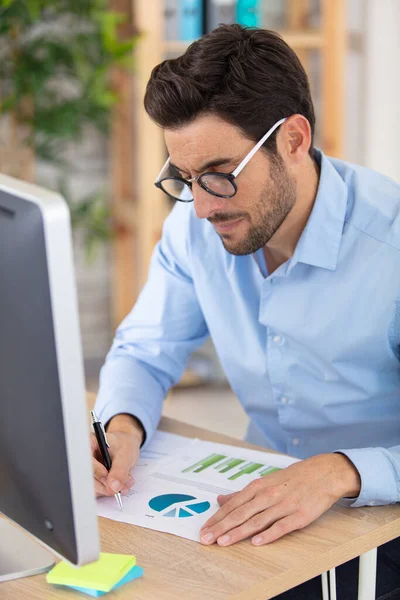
(178, 506)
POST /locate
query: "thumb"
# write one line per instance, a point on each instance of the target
(119, 475)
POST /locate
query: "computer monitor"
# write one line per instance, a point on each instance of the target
(46, 483)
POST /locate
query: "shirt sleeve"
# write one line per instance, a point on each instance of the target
(379, 468)
(152, 345)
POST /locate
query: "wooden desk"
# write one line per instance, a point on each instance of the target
(175, 568)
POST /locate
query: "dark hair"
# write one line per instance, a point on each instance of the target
(250, 77)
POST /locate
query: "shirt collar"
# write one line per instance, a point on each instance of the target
(319, 242)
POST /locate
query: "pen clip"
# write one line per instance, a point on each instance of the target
(96, 420)
(104, 433)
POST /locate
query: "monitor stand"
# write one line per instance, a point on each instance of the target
(20, 555)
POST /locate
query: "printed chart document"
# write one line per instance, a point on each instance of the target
(177, 481)
(162, 445)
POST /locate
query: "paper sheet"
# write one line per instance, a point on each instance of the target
(162, 445)
(178, 493)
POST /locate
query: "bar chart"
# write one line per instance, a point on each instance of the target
(230, 467)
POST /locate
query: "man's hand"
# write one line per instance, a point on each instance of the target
(290, 499)
(125, 436)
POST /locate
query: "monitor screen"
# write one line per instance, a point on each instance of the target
(45, 469)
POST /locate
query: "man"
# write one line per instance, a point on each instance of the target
(291, 262)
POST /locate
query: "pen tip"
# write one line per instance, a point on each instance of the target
(119, 501)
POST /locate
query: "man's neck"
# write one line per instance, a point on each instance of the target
(284, 241)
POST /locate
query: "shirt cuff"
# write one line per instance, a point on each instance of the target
(379, 478)
(128, 387)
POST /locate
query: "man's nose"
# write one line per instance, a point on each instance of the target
(205, 203)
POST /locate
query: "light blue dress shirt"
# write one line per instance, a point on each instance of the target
(312, 351)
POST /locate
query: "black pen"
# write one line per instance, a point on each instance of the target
(101, 438)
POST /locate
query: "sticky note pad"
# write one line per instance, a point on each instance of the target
(134, 573)
(101, 575)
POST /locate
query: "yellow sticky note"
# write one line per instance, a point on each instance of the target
(101, 575)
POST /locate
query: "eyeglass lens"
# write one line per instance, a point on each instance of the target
(213, 183)
(218, 185)
(177, 188)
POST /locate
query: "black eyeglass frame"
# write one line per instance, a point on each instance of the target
(229, 176)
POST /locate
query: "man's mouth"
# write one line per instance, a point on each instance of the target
(227, 226)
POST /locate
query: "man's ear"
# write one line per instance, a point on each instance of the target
(295, 139)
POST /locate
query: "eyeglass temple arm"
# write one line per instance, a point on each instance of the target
(165, 167)
(246, 159)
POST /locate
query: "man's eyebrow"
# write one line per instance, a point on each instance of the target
(218, 162)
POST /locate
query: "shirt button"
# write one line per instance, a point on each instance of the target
(277, 339)
(284, 400)
(295, 441)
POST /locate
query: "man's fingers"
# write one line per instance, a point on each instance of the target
(93, 443)
(119, 476)
(258, 523)
(124, 455)
(236, 500)
(236, 518)
(116, 482)
(99, 488)
(129, 483)
(99, 470)
(224, 499)
(94, 447)
(279, 529)
(127, 488)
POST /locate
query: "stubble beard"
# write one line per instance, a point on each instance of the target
(275, 203)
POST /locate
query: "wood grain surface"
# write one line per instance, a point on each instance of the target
(175, 568)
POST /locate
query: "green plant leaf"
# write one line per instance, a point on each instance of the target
(56, 58)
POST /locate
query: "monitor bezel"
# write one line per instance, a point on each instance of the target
(64, 307)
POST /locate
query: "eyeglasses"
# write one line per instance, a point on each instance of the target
(222, 185)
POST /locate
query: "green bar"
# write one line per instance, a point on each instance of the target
(246, 470)
(210, 462)
(269, 470)
(234, 462)
(222, 465)
(204, 463)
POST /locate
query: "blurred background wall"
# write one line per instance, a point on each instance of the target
(104, 51)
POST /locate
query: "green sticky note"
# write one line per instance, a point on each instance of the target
(102, 575)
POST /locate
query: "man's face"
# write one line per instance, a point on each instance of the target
(266, 192)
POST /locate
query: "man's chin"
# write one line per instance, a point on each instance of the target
(237, 248)
(242, 245)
